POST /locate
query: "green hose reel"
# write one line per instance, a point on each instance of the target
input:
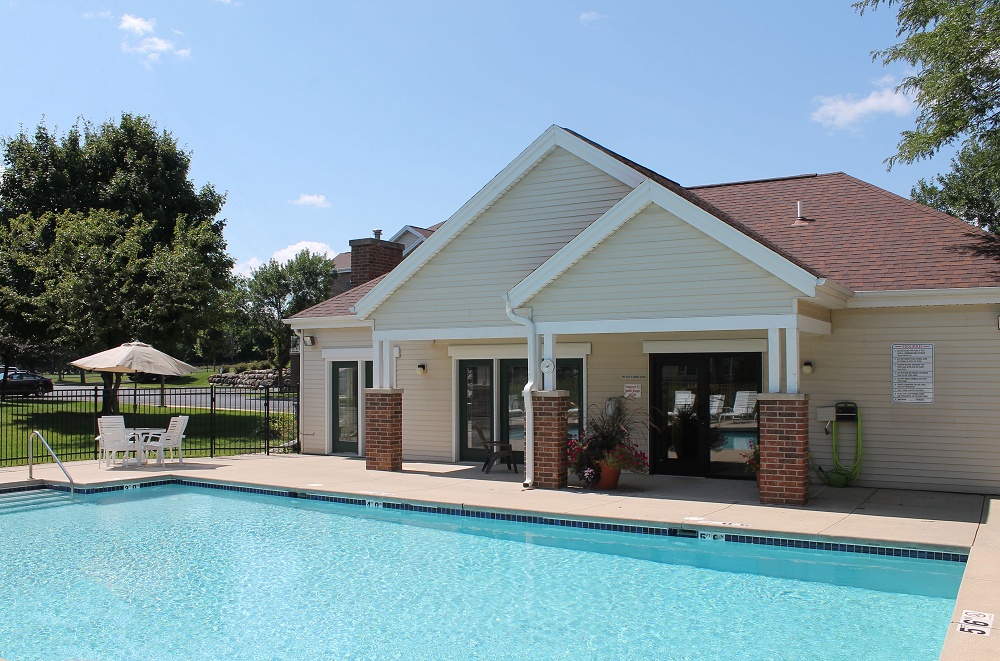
(841, 475)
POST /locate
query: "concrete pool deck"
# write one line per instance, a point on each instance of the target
(924, 519)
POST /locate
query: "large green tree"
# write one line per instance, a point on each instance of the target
(276, 291)
(952, 46)
(108, 240)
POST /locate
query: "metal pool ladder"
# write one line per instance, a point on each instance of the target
(31, 460)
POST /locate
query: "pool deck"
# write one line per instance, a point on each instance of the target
(923, 519)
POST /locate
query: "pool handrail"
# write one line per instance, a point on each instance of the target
(31, 459)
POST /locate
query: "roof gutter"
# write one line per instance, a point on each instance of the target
(529, 387)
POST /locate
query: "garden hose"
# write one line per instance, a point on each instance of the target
(842, 475)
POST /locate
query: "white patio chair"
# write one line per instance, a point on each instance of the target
(169, 440)
(744, 406)
(113, 439)
(683, 399)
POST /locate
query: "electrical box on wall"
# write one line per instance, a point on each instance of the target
(826, 413)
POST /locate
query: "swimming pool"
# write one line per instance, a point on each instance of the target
(179, 572)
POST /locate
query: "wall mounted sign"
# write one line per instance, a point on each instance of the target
(633, 391)
(913, 374)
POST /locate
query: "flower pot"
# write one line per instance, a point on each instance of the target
(609, 477)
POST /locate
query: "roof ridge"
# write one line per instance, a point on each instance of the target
(762, 181)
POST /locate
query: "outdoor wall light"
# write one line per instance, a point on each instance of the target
(807, 367)
(308, 340)
(421, 368)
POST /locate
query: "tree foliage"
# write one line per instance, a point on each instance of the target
(954, 48)
(276, 291)
(105, 239)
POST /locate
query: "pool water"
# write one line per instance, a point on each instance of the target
(176, 572)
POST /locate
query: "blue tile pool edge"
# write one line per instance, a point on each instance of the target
(537, 519)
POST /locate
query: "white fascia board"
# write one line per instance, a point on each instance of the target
(668, 325)
(347, 353)
(831, 295)
(345, 321)
(898, 298)
(526, 161)
(483, 333)
(519, 350)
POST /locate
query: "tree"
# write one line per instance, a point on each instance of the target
(276, 291)
(108, 239)
(953, 46)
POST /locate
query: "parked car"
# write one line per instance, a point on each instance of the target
(25, 383)
(9, 369)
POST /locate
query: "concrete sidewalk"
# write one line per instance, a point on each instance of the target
(924, 519)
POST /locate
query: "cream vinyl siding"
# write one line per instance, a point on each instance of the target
(461, 286)
(657, 266)
(952, 444)
(313, 406)
(427, 401)
(814, 311)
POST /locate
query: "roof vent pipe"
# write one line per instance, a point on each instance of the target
(378, 233)
(798, 211)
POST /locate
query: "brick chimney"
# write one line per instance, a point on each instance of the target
(371, 258)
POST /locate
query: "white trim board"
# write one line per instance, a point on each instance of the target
(348, 353)
(920, 297)
(474, 333)
(469, 351)
(705, 346)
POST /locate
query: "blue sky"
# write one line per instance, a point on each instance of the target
(324, 120)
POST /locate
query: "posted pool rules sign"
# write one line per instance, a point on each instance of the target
(913, 374)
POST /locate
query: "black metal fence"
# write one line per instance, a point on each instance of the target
(222, 421)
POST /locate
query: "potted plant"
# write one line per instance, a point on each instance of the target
(607, 448)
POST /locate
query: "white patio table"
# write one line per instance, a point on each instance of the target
(142, 435)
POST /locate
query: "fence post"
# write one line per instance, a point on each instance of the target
(267, 420)
(97, 444)
(211, 417)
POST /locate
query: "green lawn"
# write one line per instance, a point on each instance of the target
(70, 428)
(195, 379)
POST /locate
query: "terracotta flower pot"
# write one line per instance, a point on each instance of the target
(609, 477)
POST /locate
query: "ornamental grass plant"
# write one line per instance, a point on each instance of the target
(607, 441)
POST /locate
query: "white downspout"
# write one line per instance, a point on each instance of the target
(529, 387)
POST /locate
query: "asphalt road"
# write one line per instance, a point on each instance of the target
(241, 399)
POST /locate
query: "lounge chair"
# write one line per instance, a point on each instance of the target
(744, 406)
(495, 451)
(113, 439)
(169, 440)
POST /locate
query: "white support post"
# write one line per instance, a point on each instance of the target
(549, 353)
(792, 361)
(387, 364)
(377, 358)
(774, 360)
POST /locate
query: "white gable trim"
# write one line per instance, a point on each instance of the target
(649, 192)
(525, 162)
(341, 321)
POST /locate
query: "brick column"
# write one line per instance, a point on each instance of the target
(784, 449)
(551, 410)
(383, 429)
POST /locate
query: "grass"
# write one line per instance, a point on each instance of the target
(70, 428)
(195, 379)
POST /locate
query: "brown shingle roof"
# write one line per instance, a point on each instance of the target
(862, 236)
(339, 306)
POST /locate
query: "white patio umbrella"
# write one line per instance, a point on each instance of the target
(133, 357)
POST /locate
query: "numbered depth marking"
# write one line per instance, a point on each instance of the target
(976, 622)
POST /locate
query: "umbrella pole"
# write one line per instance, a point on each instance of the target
(135, 395)
(163, 389)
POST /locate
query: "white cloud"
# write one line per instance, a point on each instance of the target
(306, 200)
(232, 3)
(288, 252)
(148, 45)
(136, 25)
(845, 111)
(588, 17)
(247, 267)
(184, 52)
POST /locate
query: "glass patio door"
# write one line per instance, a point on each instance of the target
(694, 429)
(345, 427)
(475, 387)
